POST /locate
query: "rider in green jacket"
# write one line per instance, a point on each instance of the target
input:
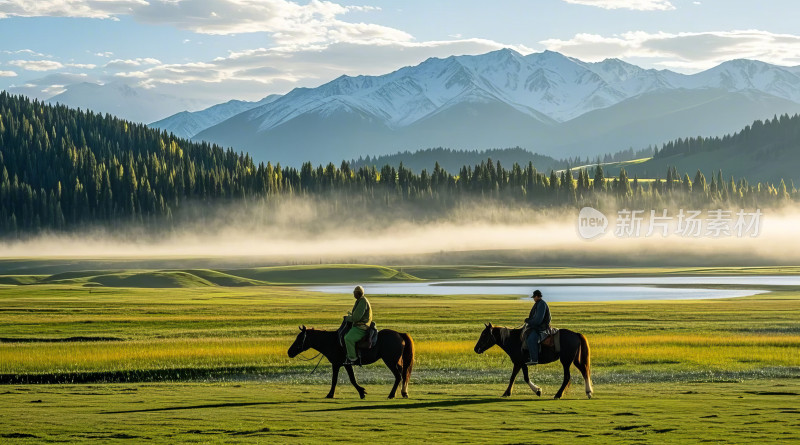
(361, 317)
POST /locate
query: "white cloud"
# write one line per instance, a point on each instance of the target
(252, 74)
(105, 54)
(126, 64)
(98, 9)
(289, 23)
(688, 52)
(37, 65)
(87, 66)
(38, 88)
(53, 90)
(8, 74)
(28, 52)
(638, 5)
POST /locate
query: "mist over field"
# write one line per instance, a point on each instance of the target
(308, 230)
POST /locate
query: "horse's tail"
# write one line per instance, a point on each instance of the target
(408, 362)
(585, 361)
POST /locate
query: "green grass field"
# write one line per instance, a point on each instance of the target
(762, 411)
(204, 359)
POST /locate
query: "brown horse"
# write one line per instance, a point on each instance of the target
(395, 348)
(574, 350)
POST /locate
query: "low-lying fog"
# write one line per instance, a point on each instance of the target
(306, 230)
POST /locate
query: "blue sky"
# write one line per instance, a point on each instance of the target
(216, 50)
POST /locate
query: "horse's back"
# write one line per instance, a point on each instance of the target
(390, 336)
(390, 344)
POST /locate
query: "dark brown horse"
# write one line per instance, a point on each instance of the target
(395, 348)
(574, 350)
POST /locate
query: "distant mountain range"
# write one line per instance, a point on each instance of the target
(187, 124)
(544, 102)
(123, 101)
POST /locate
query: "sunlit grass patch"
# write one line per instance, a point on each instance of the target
(141, 354)
(251, 327)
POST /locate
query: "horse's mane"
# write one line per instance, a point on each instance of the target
(505, 333)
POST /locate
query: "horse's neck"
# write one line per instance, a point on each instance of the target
(320, 340)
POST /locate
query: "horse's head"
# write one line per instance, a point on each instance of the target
(299, 344)
(486, 340)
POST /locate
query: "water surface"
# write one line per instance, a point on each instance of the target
(582, 289)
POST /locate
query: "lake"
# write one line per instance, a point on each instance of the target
(581, 289)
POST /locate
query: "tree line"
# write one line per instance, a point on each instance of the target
(63, 169)
(762, 139)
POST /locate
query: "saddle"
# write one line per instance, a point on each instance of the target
(552, 339)
(370, 339)
(368, 342)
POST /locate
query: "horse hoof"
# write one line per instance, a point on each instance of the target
(506, 395)
(405, 396)
(329, 396)
(589, 395)
(538, 393)
(556, 397)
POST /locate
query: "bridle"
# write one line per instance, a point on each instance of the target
(481, 344)
(303, 348)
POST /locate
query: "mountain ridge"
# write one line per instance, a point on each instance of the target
(501, 98)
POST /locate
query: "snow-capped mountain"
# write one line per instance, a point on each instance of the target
(743, 75)
(501, 98)
(122, 100)
(187, 124)
(546, 86)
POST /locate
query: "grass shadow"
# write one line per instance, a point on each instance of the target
(211, 405)
(415, 405)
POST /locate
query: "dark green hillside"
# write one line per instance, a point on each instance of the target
(61, 168)
(764, 151)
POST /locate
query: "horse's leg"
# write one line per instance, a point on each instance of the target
(404, 386)
(361, 391)
(334, 379)
(534, 388)
(586, 378)
(396, 370)
(408, 363)
(565, 362)
(511, 382)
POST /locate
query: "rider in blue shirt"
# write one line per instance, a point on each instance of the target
(538, 322)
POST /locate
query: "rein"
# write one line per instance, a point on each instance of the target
(303, 344)
(310, 359)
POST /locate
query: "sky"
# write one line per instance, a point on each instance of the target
(212, 51)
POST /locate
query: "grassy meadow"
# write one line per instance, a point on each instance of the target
(203, 358)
